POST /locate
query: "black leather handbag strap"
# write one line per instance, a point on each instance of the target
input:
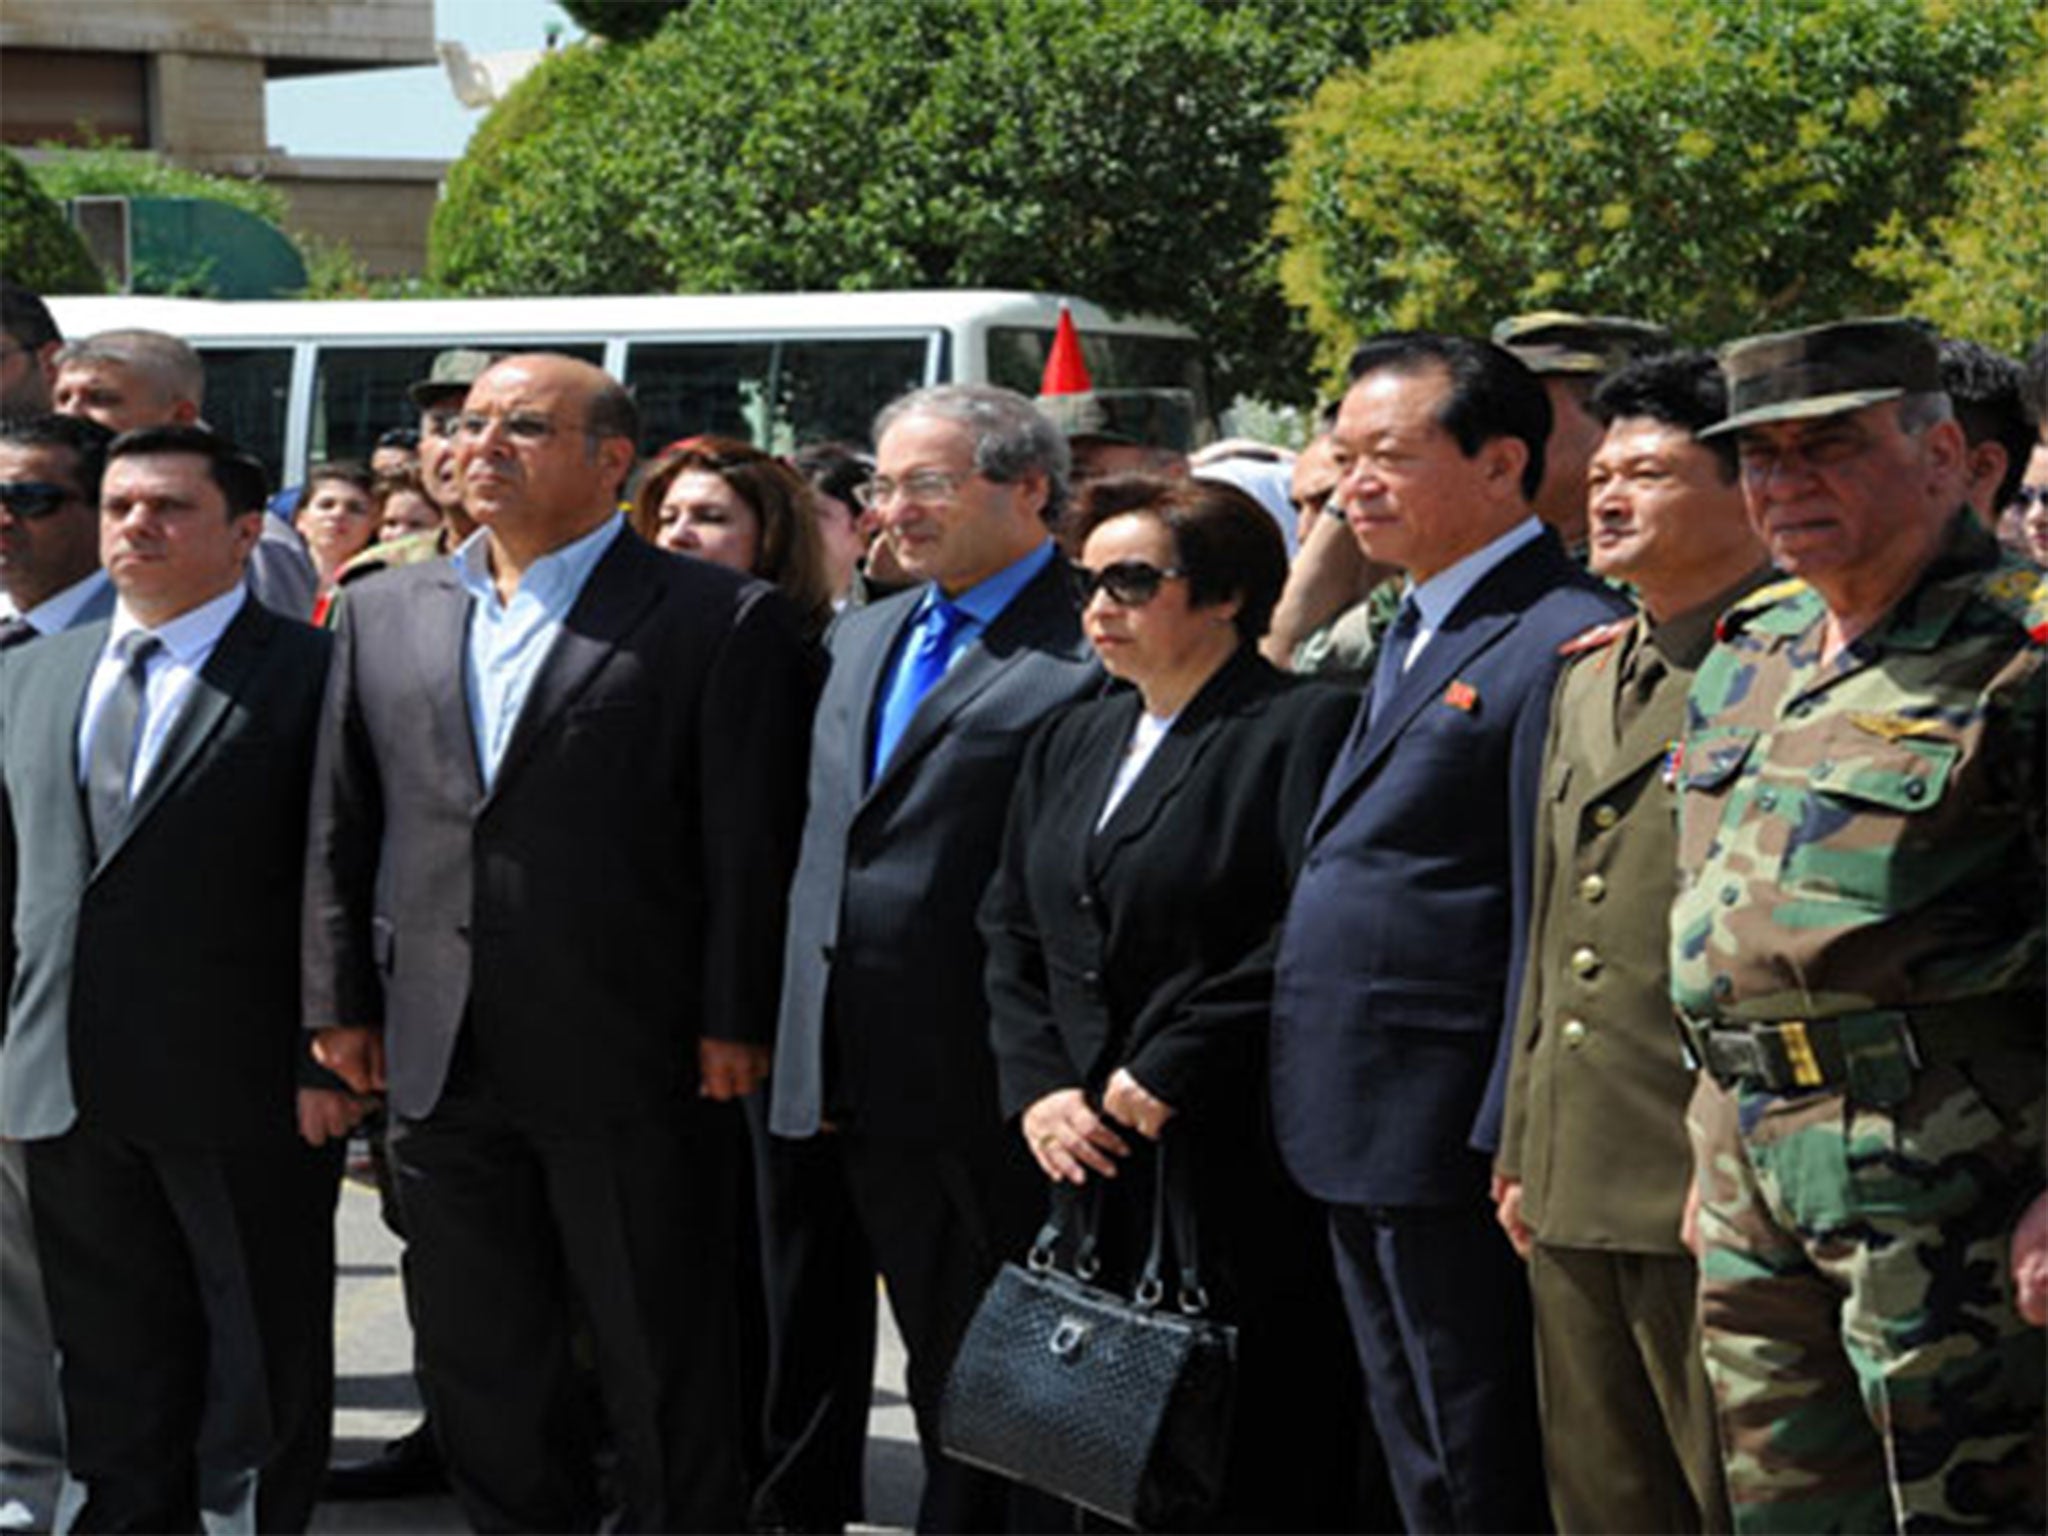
(1173, 1229)
(1078, 1211)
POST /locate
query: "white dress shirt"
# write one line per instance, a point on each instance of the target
(185, 644)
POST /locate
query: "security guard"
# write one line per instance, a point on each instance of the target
(1856, 949)
(1594, 1166)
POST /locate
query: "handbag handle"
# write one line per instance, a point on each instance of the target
(1173, 1214)
(1081, 1211)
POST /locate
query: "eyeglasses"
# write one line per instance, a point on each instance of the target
(520, 426)
(1129, 583)
(2028, 497)
(34, 498)
(925, 488)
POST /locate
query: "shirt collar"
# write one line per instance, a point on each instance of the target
(188, 637)
(1438, 598)
(984, 602)
(552, 581)
(54, 614)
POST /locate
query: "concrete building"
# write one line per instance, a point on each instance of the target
(185, 78)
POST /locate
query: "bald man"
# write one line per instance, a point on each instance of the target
(555, 812)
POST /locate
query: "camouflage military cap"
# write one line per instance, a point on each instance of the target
(1825, 370)
(1149, 418)
(1557, 341)
(452, 374)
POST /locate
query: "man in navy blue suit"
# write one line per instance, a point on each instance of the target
(1400, 950)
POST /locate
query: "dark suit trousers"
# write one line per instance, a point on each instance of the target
(1630, 1433)
(512, 1226)
(1440, 1314)
(819, 1298)
(942, 1218)
(192, 1296)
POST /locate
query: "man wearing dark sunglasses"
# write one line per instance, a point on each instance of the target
(49, 525)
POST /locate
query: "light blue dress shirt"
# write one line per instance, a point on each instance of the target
(1437, 598)
(509, 641)
(980, 606)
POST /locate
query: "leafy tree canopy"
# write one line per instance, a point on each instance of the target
(38, 247)
(1122, 152)
(1717, 165)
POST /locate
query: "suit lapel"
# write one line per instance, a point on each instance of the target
(440, 641)
(220, 682)
(1032, 616)
(1486, 615)
(1172, 761)
(619, 592)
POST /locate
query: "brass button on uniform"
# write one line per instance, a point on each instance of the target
(1593, 887)
(1574, 1033)
(1585, 960)
(1605, 816)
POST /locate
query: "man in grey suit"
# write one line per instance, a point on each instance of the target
(555, 810)
(50, 580)
(153, 773)
(884, 1036)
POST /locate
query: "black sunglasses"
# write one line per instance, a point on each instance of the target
(1129, 583)
(34, 498)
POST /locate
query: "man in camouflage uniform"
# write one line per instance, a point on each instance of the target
(1593, 1165)
(1856, 949)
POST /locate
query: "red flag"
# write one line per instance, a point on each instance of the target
(1065, 371)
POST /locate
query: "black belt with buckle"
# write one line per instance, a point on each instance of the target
(1876, 1052)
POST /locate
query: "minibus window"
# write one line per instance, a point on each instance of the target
(775, 394)
(248, 399)
(1016, 360)
(359, 392)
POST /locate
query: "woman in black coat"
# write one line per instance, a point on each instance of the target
(1153, 837)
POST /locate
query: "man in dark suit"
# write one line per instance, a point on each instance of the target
(555, 809)
(50, 580)
(1401, 945)
(884, 1038)
(153, 773)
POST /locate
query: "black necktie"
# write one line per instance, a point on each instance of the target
(16, 631)
(1393, 657)
(116, 736)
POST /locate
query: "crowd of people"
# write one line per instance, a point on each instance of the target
(1559, 859)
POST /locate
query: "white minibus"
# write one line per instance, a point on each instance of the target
(296, 382)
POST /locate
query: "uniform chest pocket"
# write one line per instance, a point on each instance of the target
(1866, 812)
(1708, 771)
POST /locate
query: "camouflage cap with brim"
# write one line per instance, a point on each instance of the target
(452, 373)
(1558, 341)
(1826, 370)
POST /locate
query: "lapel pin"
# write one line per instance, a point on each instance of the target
(1462, 696)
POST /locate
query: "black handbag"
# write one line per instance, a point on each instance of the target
(1119, 1404)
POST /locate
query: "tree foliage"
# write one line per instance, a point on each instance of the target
(1121, 152)
(1981, 270)
(38, 247)
(1713, 164)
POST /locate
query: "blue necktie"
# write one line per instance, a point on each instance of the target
(917, 673)
(1393, 658)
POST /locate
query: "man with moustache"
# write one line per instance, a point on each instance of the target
(1593, 1166)
(554, 813)
(1857, 956)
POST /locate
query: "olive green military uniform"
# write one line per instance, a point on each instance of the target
(1857, 944)
(1595, 1119)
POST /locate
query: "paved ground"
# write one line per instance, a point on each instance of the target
(375, 1401)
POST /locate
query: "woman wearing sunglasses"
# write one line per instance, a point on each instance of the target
(1152, 840)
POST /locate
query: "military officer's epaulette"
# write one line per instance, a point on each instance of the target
(1760, 601)
(1592, 639)
(2019, 592)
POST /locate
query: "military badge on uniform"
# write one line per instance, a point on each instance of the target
(1463, 696)
(1674, 759)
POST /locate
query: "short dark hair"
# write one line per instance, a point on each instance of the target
(1987, 389)
(1493, 393)
(1683, 389)
(1224, 541)
(346, 471)
(833, 469)
(80, 436)
(25, 317)
(241, 479)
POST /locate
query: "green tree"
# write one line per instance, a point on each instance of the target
(1982, 270)
(1121, 152)
(38, 247)
(1714, 164)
